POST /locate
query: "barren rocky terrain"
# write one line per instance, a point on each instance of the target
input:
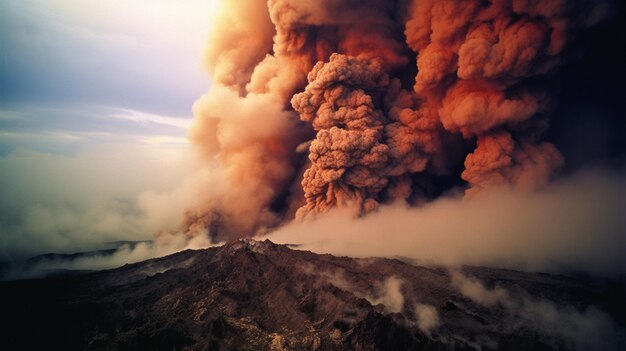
(249, 295)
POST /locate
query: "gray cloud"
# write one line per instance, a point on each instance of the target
(58, 203)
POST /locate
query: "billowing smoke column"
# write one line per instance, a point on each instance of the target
(349, 154)
(361, 102)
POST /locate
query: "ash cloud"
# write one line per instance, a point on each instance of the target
(346, 104)
(574, 225)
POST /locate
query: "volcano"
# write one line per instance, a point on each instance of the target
(253, 295)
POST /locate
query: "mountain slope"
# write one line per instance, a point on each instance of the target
(250, 295)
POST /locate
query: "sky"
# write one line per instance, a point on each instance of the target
(95, 101)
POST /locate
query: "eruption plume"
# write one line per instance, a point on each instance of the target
(383, 95)
(348, 154)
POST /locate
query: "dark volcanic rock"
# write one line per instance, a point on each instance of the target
(250, 295)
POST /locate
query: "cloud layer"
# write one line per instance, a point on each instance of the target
(573, 225)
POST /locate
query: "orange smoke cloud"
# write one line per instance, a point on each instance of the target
(363, 102)
(499, 161)
(347, 154)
